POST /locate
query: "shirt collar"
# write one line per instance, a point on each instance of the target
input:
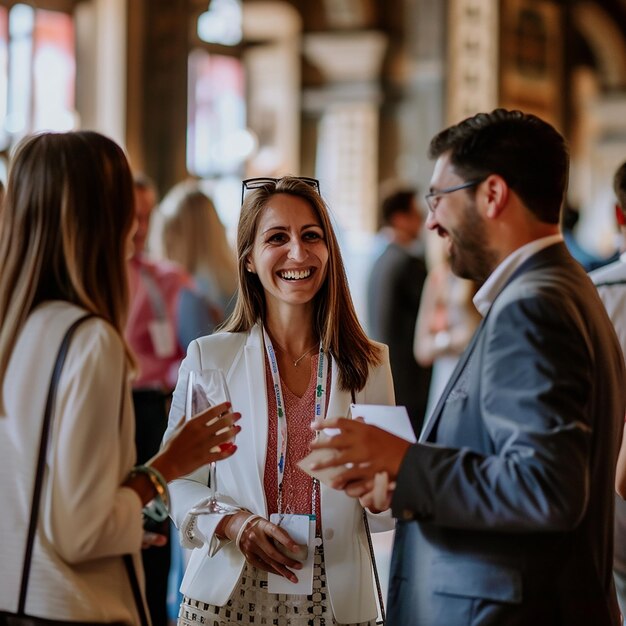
(487, 294)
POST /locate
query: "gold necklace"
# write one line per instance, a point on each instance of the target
(295, 362)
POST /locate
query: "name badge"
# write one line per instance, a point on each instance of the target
(301, 529)
(162, 337)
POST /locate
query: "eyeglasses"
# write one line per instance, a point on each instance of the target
(261, 181)
(431, 198)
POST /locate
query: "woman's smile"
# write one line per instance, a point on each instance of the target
(290, 255)
(296, 274)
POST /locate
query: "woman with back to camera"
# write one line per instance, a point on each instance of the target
(190, 233)
(292, 348)
(66, 231)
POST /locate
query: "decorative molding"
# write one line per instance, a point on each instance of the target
(347, 57)
(347, 163)
(349, 13)
(317, 100)
(606, 40)
(270, 20)
(531, 59)
(473, 29)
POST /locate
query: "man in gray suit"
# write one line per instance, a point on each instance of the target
(505, 506)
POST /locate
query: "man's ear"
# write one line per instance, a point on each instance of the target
(496, 195)
(620, 216)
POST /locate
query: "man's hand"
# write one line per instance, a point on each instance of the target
(366, 451)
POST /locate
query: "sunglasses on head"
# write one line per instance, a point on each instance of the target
(256, 183)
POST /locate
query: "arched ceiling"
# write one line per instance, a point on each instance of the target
(604, 32)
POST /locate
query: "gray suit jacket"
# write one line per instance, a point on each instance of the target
(506, 504)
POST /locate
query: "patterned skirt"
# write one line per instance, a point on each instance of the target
(252, 604)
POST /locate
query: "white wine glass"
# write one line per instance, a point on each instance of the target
(207, 388)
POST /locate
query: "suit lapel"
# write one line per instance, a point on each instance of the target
(550, 255)
(436, 413)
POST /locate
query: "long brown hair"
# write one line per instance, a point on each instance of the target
(64, 226)
(336, 322)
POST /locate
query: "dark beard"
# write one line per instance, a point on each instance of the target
(470, 255)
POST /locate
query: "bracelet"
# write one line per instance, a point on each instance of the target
(160, 486)
(251, 518)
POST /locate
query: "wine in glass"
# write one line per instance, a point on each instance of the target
(207, 388)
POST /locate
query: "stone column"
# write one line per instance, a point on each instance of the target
(348, 105)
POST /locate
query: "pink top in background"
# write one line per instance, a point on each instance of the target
(155, 371)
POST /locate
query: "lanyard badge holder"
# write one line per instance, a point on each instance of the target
(299, 526)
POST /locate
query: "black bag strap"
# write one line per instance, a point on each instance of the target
(41, 463)
(370, 545)
(134, 585)
(381, 602)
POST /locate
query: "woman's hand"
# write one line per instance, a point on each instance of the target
(152, 540)
(257, 544)
(379, 494)
(205, 438)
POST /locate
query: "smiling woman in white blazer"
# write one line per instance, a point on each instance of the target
(293, 295)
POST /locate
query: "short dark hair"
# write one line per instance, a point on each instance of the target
(525, 150)
(619, 186)
(396, 201)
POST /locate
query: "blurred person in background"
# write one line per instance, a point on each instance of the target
(611, 283)
(192, 235)
(65, 235)
(570, 217)
(154, 331)
(446, 321)
(393, 298)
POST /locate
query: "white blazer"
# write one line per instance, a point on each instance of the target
(87, 521)
(211, 575)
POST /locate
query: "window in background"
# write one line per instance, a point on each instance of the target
(218, 142)
(221, 23)
(37, 72)
(54, 71)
